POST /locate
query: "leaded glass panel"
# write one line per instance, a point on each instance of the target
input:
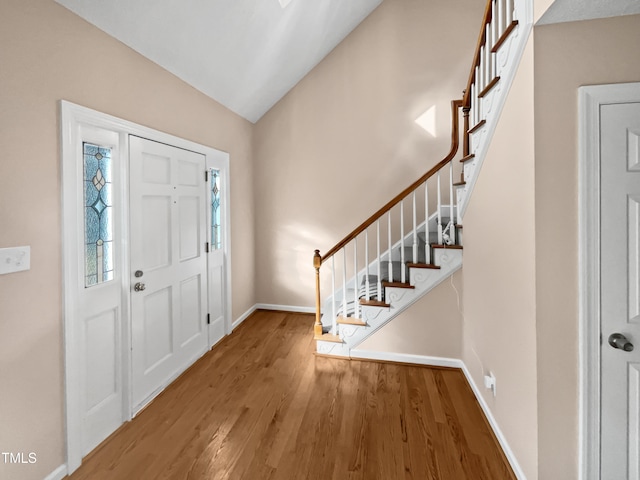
(216, 227)
(98, 214)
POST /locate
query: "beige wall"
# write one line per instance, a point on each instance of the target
(48, 54)
(343, 142)
(499, 273)
(567, 56)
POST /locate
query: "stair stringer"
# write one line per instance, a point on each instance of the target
(399, 299)
(508, 61)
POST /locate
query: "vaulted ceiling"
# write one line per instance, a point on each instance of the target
(246, 54)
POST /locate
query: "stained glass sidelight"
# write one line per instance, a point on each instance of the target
(98, 214)
(216, 229)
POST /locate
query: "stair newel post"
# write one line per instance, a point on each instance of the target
(402, 269)
(465, 132)
(439, 207)
(367, 295)
(379, 284)
(334, 320)
(356, 307)
(415, 229)
(452, 222)
(390, 259)
(427, 247)
(317, 262)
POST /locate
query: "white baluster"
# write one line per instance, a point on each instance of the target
(452, 230)
(487, 51)
(427, 247)
(439, 212)
(509, 12)
(415, 230)
(500, 17)
(494, 39)
(389, 260)
(367, 295)
(494, 23)
(474, 105)
(344, 282)
(379, 285)
(334, 321)
(356, 305)
(402, 269)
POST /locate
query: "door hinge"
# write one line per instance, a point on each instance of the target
(206, 247)
(206, 175)
(208, 319)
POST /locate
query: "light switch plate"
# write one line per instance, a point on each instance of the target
(15, 259)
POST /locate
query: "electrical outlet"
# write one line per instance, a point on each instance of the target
(490, 383)
(15, 259)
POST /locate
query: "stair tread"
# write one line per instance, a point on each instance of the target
(423, 265)
(489, 86)
(441, 245)
(471, 156)
(373, 303)
(329, 337)
(477, 126)
(504, 36)
(459, 184)
(351, 321)
(397, 285)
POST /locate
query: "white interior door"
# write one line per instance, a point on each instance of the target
(168, 264)
(620, 291)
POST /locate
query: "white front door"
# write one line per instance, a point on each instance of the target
(620, 290)
(168, 228)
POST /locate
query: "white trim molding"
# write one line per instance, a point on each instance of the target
(58, 474)
(590, 99)
(285, 308)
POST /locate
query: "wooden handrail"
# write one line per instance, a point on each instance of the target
(466, 100)
(455, 142)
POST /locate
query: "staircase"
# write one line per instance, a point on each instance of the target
(414, 242)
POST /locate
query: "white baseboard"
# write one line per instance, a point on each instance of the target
(285, 308)
(494, 426)
(407, 358)
(243, 317)
(58, 474)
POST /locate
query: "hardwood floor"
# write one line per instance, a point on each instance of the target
(261, 406)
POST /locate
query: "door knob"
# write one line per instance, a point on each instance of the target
(618, 340)
(138, 287)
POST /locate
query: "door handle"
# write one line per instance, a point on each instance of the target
(138, 287)
(618, 340)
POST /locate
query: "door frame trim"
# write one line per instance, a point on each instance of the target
(72, 117)
(590, 99)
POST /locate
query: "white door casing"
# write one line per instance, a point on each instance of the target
(168, 238)
(109, 363)
(609, 243)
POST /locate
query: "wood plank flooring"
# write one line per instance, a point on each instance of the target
(261, 406)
